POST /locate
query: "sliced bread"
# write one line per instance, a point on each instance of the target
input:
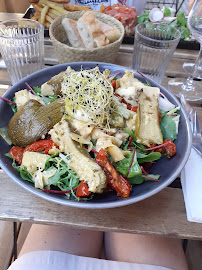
(72, 32)
(112, 33)
(90, 31)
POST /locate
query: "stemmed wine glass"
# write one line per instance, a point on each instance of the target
(189, 67)
(192, 90)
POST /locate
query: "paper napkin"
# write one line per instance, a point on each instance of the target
(191, 180)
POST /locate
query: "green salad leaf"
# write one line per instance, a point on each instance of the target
(64, 178)
(8, 156)
(168, 128)
(180, 23)
(129, 166)
(134, 142)
(181, 20)
(13, 106)
(49, 99)
(167, 12)
(182, 26)
(53, 180)
(185, 33)
(25, 175)
(144, 17)
(46, 99)
(148, 157)
(36, 89)
(139, 179)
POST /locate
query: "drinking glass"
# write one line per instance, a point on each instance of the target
(153, 47)
(192, 90)
(22, 47)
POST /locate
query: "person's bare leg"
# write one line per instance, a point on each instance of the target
(145, 249)
(65, 239)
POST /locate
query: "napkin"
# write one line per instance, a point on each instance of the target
(191, 180)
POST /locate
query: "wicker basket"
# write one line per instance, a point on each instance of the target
(66, 53)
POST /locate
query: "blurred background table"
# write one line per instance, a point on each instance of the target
(163, 214)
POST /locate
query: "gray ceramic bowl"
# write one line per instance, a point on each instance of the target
(169, 169)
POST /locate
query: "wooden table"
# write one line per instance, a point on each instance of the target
(161, 214)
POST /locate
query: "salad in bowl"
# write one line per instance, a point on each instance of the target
(90, 131)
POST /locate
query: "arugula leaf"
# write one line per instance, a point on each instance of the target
(49, 99)
(185, 33)
(128, 163)
(134, 142)
(47, 187)
(53, 180)
(8, 155)
(13, 106)
(37, 90)
(167, 12)
(182, 26)
(46, 99)
(148, 157)
(181, 20)
(168, 128)
(25, 175)
(144, 17)
(64, 178)
(136, 180)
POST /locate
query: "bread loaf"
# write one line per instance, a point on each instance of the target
(72, 32)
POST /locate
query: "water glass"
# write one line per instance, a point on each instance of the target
(22, 47)
(153, 47)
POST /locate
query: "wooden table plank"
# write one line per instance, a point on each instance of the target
(162, 214)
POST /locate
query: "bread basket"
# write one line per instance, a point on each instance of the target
(66, 53)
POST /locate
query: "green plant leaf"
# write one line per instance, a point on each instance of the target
(148, 157)
(53, 180)
(128, 163)
(181, 20)
(13, 106)
(167, 12)
(25, 175)
(168, 128)
(136, 180)
(185, 33)
(37, 90)
(144, 17)
(49, 99)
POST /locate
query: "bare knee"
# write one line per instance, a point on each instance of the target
(65, 239)
(145, 249)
